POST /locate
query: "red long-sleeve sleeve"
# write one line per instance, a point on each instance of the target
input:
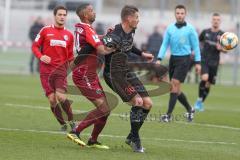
(37, 43)
(70, 49)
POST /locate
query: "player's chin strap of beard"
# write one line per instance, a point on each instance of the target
(180, 24)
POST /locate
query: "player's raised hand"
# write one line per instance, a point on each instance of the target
(110, 29)
(148, 56)
(220, 48)
(109, 50)
(198, 68)
(46, 59)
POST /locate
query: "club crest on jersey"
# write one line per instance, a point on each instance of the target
(80, 30)
(65, 37)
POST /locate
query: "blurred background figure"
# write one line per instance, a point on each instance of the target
(17, 19)
(33, 31)
(192, 76)
(154, 42)
(99, 28)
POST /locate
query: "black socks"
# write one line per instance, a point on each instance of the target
(183, 100)
(137, 117)
(172, 103)
(203, 90)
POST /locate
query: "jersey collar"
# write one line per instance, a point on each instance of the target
(180, 25)
(60, 28)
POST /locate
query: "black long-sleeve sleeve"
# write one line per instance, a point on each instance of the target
(136, 51)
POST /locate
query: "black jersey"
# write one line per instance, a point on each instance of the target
(118, 60)
(209, 39)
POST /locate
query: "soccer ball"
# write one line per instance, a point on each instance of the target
(229, 40)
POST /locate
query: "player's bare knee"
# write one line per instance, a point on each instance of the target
(205, 77)
(147, 103)
(136, 101)
(139, 102)
(102, 105)
(98, 102)
(175, 86)
(52, 100)
(61, 97)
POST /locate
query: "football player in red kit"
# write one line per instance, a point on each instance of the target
(54, 47)
(86, 78)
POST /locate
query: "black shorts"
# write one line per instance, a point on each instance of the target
(211, 70)
(178, 67)
(126, 84)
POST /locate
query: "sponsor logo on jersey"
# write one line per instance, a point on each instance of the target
(59, 43)
(95, 38)
(50, 34)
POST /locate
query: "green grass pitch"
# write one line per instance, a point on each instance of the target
(28, 130)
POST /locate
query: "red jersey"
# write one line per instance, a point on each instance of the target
(57, 43)
(84, 33)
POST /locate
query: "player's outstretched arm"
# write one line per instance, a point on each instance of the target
(36, 48)
(196, 48)
(145, 55)
(148, 56)
(164, 46)
(104, 50)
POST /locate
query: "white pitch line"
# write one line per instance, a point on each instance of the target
(121, 137)
(210, 125)
(120, 115)
(26, 106)
(47, 108)
(213, 108)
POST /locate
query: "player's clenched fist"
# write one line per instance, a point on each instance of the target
(45, 59)
(148, 56)
(198, 68)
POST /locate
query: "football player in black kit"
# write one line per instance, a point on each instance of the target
(210, 54)
(120, 79)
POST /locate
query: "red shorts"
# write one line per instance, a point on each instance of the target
(50, 82)
(89, 87)
(53, 77)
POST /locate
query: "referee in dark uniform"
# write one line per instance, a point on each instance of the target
(210, 52)
(182, 39)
